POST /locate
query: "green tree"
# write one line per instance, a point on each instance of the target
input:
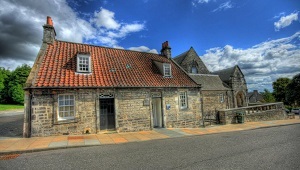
(4, 79)
(279, 89)
(293, 91)
(16, 82)
(268, 96)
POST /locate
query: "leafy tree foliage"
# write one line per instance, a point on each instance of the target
(268, 96)
(279, 89)
(11, 84)
(4, 75)
(293, 91)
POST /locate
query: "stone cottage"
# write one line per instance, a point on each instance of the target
(76, 88)
(255, 97)
(221, 89)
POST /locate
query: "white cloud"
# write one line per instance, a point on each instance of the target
(262, 64)
(196, 2)
(285, 21)
(105, 18)
(224, 6)
(143, 49)
(21, 28)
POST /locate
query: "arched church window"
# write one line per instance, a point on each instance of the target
(194, 70)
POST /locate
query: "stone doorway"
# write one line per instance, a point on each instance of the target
(107, 114)
(157, 113)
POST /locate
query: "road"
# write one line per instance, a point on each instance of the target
(11, 124)
(267, 148)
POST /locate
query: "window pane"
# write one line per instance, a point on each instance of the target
(66, 106)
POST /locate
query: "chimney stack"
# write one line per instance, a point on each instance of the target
(166, 50)
(49, 31)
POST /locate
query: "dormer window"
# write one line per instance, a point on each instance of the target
(83, 63)
(167, 70)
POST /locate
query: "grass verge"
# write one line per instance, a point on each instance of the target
(4, 107)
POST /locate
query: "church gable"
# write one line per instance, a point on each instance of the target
(191, 62)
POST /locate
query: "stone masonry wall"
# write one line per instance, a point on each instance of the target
(211, 101)
(44, 120)
(229, 116)
(182, 118)
(133, 110)
(132, 114)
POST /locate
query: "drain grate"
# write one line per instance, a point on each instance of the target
(8, 157)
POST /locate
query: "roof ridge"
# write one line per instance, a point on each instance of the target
(107, 47)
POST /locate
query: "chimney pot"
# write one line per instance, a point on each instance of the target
(166, 49)
(49, 21)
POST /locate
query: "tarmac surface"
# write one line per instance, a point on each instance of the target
(15, 145)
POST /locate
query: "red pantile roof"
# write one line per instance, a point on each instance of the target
(110, 68)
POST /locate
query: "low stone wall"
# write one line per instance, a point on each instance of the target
(272, 111)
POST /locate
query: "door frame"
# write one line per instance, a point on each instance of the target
(98, 105)
(156, 96)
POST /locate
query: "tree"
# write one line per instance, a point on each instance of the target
(16, 83)
(268, 96)
(279, 89)
(293, 91)
(4, 79)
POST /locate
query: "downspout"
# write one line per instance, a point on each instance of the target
(201, 100)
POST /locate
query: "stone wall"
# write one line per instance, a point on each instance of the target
(44, 120)
(211, 101)
(190, 117)
(132, 110)
(257, 113)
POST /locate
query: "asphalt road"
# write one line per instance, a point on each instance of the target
(11, 124)
(267, 148)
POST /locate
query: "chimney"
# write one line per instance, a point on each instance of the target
(49, 31)
(166, 50)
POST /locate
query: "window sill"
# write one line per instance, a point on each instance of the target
(60, 122)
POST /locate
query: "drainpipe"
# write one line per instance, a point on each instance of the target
(27, 114)
(201, 100)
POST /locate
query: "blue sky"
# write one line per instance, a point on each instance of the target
(261, 36)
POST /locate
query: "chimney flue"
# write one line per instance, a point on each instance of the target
(49, 31)
(166, 49)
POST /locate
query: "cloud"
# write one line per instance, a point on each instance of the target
(285, 21)
(262, 64)
(224, 6)
(196, 2)
(106, 19)
(143, 49)
(21, 28)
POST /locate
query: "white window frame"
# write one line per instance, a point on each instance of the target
(183, 100)
(221, 98)
(65, 104)
(166, 72)
(83, 63)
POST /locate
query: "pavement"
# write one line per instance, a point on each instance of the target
(10, 145)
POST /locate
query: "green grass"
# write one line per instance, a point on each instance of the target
(10, 107)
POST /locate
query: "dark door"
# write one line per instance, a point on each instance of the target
(107, 114)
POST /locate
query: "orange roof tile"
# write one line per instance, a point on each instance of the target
(58, 68)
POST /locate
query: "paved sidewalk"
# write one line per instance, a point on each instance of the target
(20, 145)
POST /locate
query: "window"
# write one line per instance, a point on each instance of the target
(221, 96)
(66, 107)
(194, 70)
(167, 70)
(83, 63)
(182, 100)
